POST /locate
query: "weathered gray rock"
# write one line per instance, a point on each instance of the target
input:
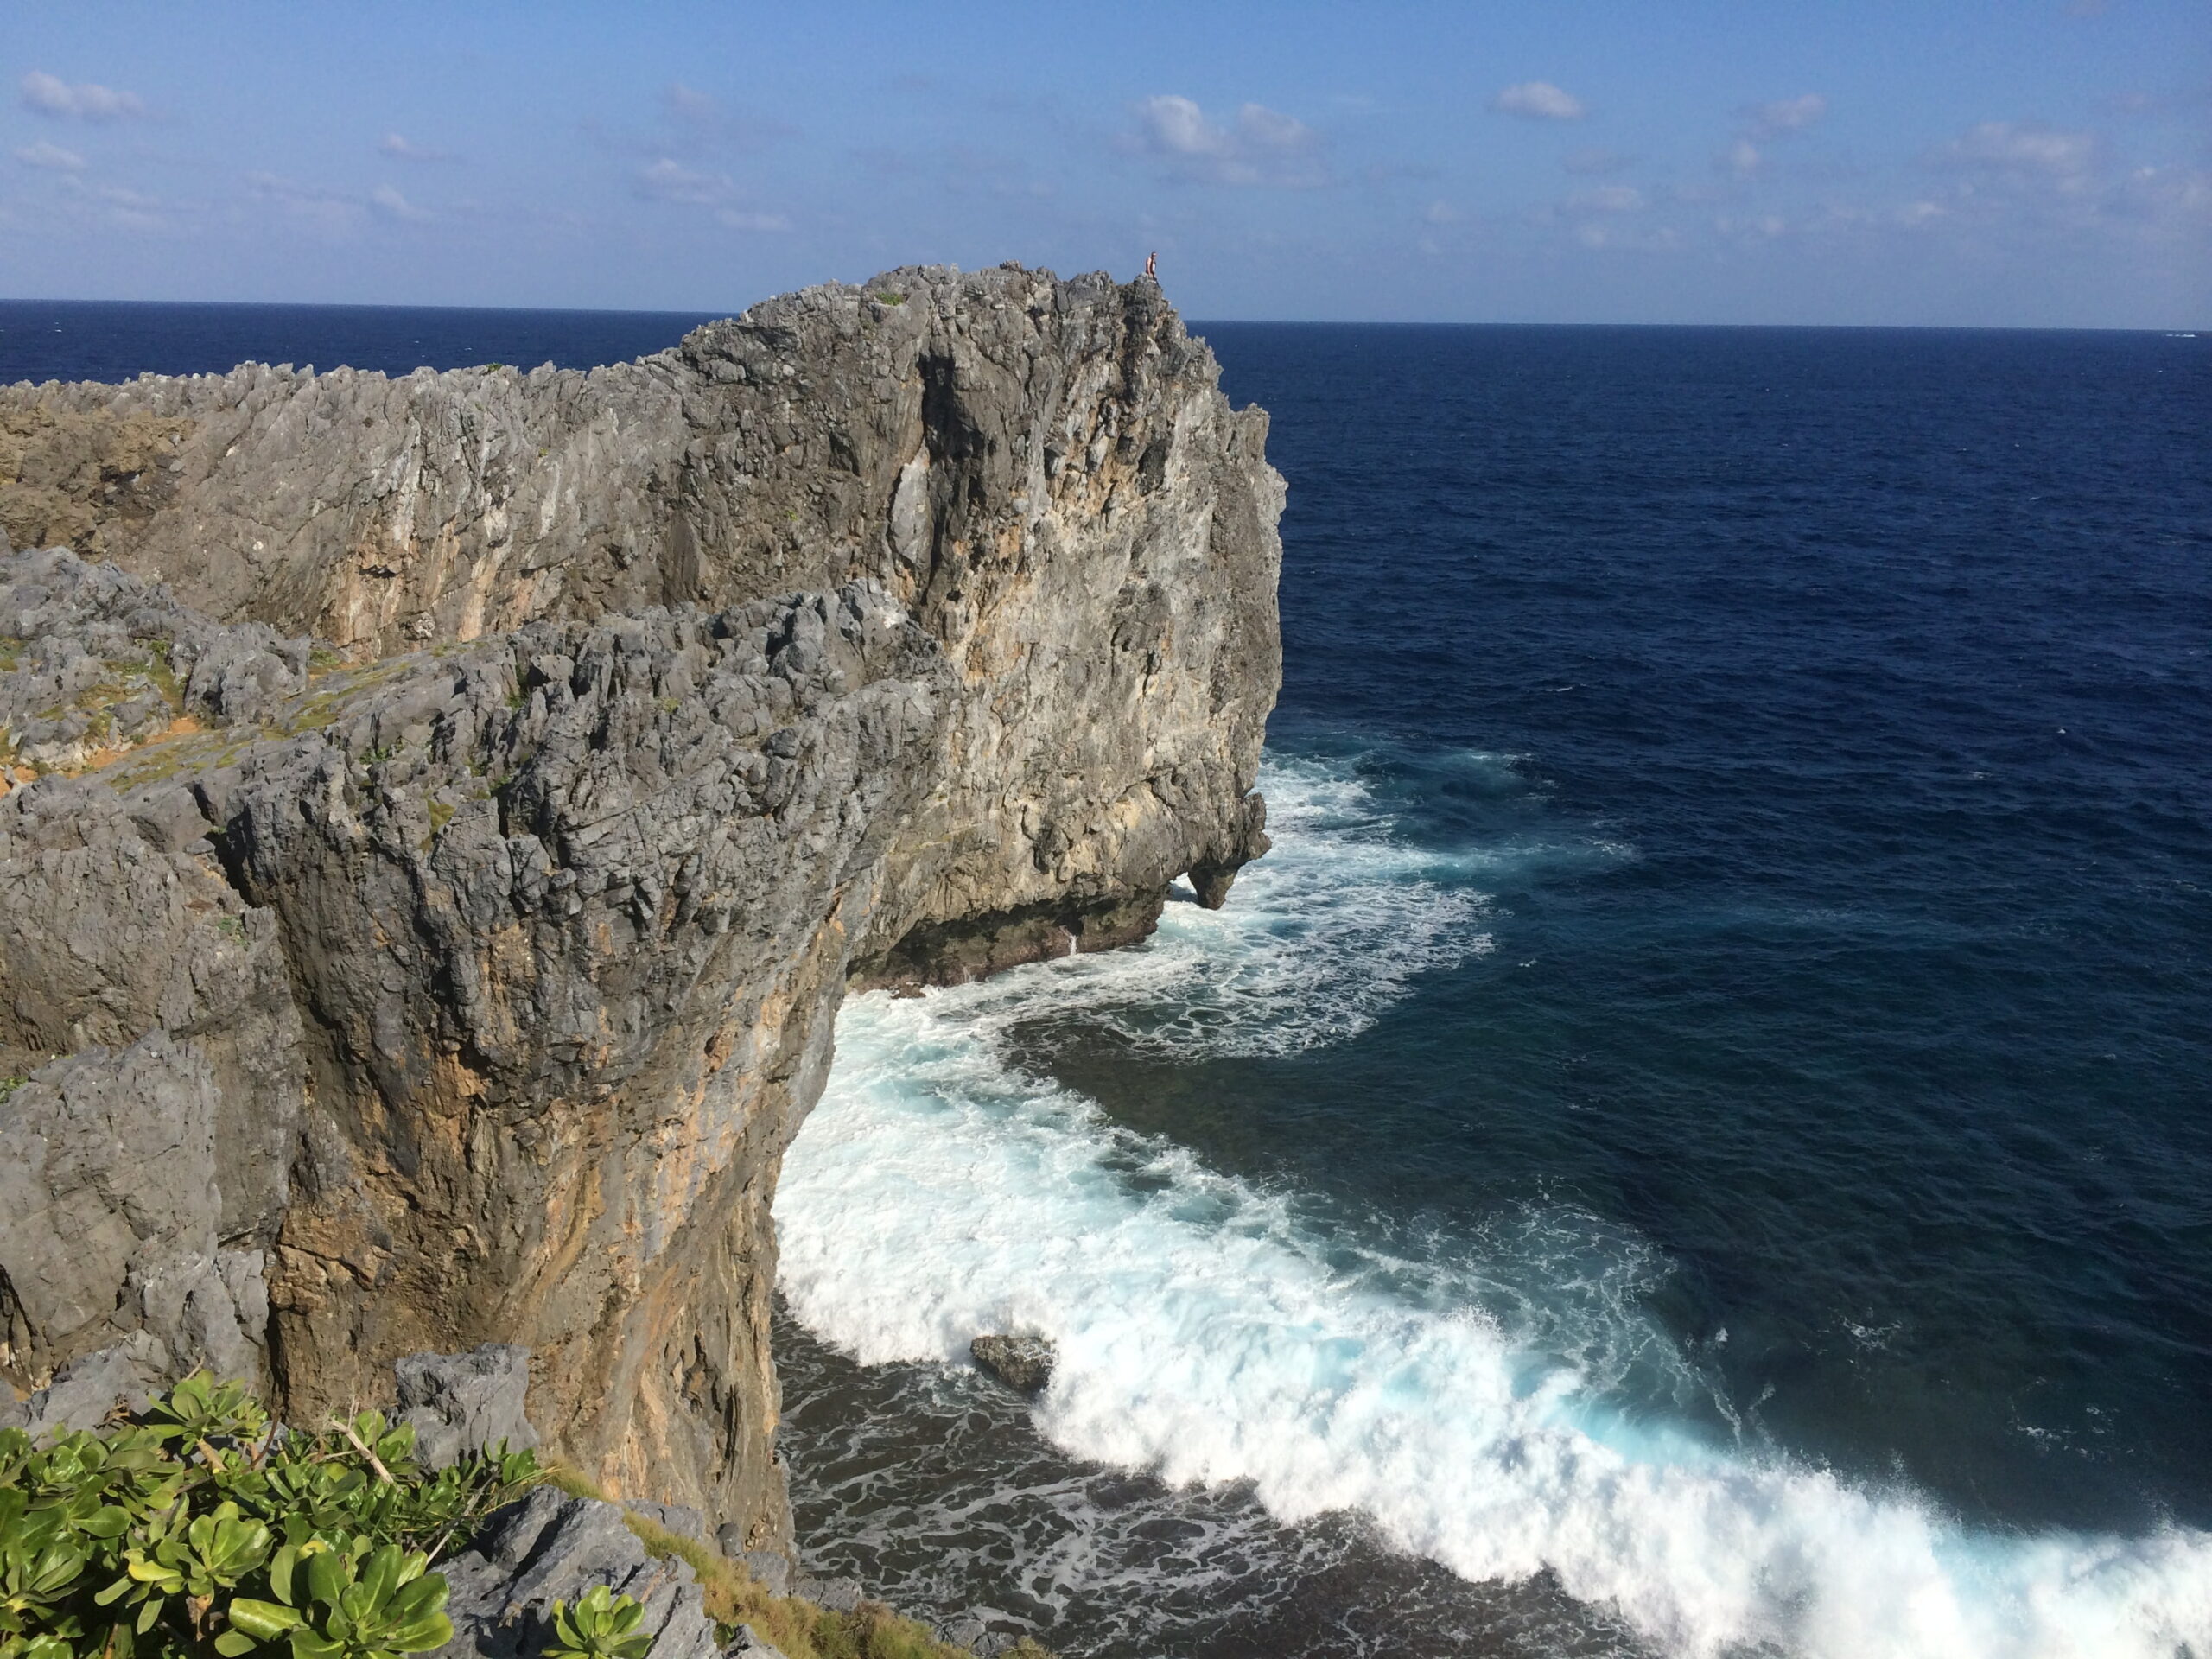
(838, 1595)
(1044, 472)
(85, 1391)
(1023, 1363)
(121, 921)
(144, 1175)
(548, 1548)
(986, 1631)
(569, 912)
(881, 636)
(109, 661)
(108, 1189)
(460, 1404)
(772, 1570)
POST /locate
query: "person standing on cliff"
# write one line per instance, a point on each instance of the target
(1150, 272)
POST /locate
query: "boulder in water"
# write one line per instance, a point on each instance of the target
(1023, 1363)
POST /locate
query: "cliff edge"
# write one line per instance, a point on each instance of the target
(447, 810)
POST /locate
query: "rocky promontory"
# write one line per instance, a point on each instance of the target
(444, 812)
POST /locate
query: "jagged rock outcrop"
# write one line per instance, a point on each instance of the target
(1046, 474)
(107, 1162)
(105, 661)
(882, 635)
(549, 1548)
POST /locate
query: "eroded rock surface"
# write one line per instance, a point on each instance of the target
(458, 1404)
(480, 965)
(1044, 474)
(549, 1548)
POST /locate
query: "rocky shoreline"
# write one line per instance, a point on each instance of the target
(443, 814)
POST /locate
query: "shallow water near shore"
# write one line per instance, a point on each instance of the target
(1696, 1141)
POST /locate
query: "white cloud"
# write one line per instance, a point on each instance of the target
(330, 212)
(1591, 233)
(668, 180)
(2025, 179)
(765, 224)
(51, 95)
(2026, 155)
(1765, 123)
(1441, 212)
(1752, 228)
(1785, 115)
(389, 202)
(690, 103)
(700, 120)
(117, 207)
(1743, 158)
(52, 157)
(115, 196)
(1539, 100)
(1606, 199)
(1260, 147)
(401, 149)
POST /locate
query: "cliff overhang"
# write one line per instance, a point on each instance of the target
(446, 812)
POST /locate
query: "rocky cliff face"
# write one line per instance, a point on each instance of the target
(463, 979)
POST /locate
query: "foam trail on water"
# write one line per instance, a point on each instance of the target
(1326, 931)
(1212, 1331)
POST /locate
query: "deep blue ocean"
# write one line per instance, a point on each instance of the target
(1698, 1140)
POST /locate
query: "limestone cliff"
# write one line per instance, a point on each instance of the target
(463, 978)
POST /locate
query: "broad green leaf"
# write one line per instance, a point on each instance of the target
(326, 1578)
(262, 1620)
(420, 1636)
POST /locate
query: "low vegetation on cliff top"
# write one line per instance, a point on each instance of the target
(201, 1527)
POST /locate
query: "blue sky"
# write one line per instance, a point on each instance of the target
(2041, 163)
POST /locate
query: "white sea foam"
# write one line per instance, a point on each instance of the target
(1325, 933)
(1210, 1331)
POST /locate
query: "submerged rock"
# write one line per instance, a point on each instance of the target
(1023, 1363)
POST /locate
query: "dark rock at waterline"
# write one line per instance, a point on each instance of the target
(1023, 1363)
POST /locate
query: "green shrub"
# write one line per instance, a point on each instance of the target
(200, 1526)
(602, 1625)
